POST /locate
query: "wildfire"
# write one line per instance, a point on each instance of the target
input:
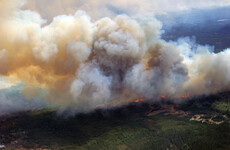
(139, 100)
(185, 96)
(136, 101)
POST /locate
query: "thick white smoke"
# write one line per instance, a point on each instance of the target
(78, 64)
(104, 8)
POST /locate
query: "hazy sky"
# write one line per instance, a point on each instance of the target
(101, 8)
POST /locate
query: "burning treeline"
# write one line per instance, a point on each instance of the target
(81, 65)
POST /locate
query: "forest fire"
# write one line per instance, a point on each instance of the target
(185, 96)
(79, 63)
(139, 100)
(163, 96)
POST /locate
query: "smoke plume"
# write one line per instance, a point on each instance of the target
(103, 8)
(78, 64)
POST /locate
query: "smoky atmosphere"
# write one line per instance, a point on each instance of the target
(97, 74)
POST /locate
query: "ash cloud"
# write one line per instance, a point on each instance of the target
(80, 65)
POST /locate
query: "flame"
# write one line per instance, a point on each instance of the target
(185, 96)
(163, 96)
(137, 101)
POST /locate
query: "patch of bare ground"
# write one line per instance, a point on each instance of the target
(198, 117)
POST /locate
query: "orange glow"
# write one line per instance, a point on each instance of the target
(186, 95)
(137, 101)
(163, 96)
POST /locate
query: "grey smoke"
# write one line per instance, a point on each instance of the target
(79, 65)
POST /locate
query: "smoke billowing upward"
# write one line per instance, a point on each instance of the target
(80, 65)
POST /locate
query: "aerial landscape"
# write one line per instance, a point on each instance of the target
(115, 75)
